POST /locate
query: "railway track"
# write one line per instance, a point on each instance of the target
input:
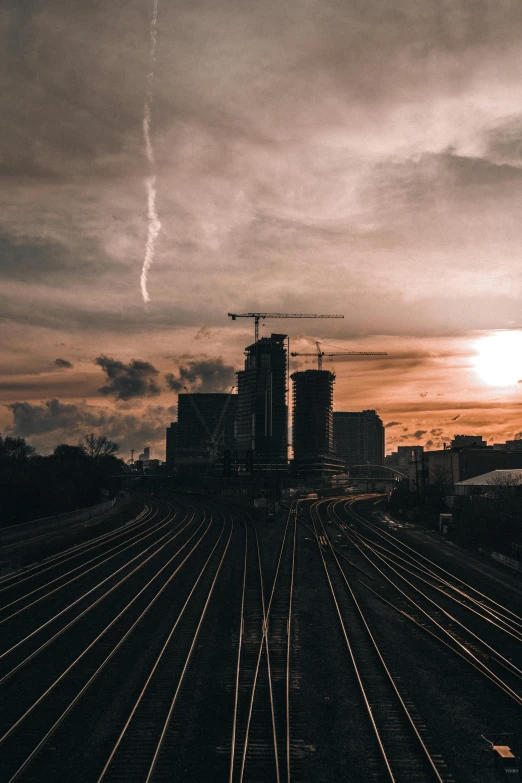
(467, 595)
(74, 629)
(169, 649)
(400, 751)
(261, 744)
(24, 573)
(28, 638)
(406, 593)
(22, 594)
(147, 745)
(84, 667)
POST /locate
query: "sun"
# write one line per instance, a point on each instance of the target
(499, 358)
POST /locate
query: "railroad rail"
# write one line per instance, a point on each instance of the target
(29, 723)
(395, 726)
(428, 614)
(147, 743)
(261, 744)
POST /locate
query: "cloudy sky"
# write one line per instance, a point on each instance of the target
(323, 156)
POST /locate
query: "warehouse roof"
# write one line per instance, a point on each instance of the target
(495, 477)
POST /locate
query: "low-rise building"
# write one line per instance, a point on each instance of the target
(494, 481)
(447, 467)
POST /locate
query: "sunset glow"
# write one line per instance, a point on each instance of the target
(499, 359)
(288, 177)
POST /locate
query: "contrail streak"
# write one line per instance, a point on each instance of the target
(154, 225)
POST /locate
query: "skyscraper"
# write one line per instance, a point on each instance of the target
(262, 413)
(359, 437)
(313, 426)
(312, 419)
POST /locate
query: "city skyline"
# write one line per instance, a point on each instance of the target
(327, 157)
(146, 399)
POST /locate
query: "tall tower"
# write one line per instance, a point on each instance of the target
(313, 426)
(313, 417)
(262, 413)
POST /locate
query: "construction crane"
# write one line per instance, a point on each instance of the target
(216, 435)
(319, 354)
(257, 317)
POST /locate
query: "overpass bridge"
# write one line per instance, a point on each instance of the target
(374, 478)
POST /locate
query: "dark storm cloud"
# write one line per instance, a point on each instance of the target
(56, 52)
(53, 415)
(202, 375)
(53, 422)
(22, 260)
(345, 53)
(418, 434)
(63, 363)
(393, 424)
(126, 381)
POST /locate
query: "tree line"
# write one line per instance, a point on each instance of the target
(34, 486)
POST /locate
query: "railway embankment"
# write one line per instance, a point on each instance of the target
(21, 545)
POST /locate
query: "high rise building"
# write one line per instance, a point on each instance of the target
(312, 425)
(313, 412)
(262, 413)
(359, 437)
(205, 426)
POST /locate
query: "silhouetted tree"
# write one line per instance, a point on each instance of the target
(32, 486)
(97, 446)
(66, 453)
(15, 449)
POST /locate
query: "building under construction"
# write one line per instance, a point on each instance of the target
(205, 428)
(262, 413)
(313, 424)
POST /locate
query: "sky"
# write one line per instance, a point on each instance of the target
(327, 156)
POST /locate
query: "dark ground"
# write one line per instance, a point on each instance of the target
(331, 736)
